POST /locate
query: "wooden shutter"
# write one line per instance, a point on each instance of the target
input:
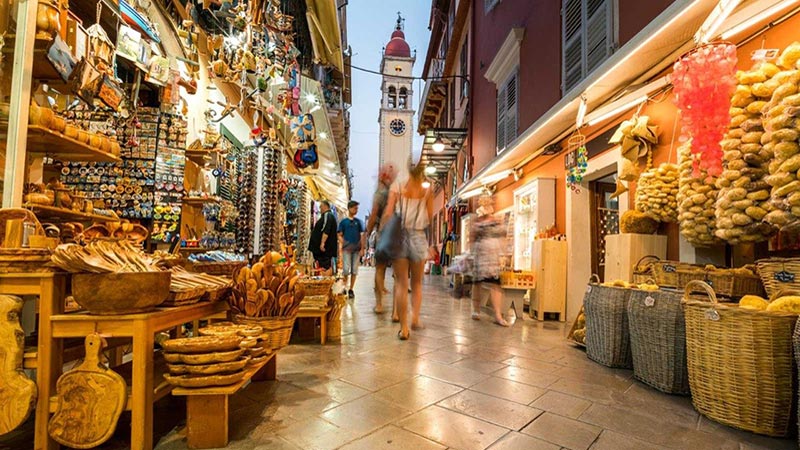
(511, 109)
(598, 33)
(501, 115)
(571, 43)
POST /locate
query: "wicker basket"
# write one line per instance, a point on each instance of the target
(277, 330)
(607, 335)
(779, 273)
(741, 370)
(658, 340)
(334, 330)
(226, 268)
(314, 302)
(734, 285)
(316, 286)
(183, 298)
(643, 270)
(666, 272)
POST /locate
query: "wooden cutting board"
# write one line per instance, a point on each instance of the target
(91, 398)
(17, 392)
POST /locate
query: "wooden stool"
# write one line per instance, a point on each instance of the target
(317, 314)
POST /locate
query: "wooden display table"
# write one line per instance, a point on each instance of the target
(142, 329)
(207, 408)
(320, 314)
(49, 287)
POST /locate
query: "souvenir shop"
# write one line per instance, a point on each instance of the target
(160, 163)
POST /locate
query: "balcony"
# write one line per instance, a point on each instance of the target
(432, 104)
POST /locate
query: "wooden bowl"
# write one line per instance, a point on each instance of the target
(120, 293)
(202, 344)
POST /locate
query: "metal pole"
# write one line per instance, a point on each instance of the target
(21, 80)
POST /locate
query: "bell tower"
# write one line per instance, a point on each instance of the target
(397, 113)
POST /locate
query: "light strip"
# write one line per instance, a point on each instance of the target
(472, 193)
(496, 177)
(617, 110)
(714, 20)
(579, 121)
(754, 19)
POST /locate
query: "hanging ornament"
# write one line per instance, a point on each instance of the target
(704, 81)
(577, 145)
(636, 138)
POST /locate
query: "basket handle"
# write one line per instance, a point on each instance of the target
(704, 286)
(654, 257)
(595, 278)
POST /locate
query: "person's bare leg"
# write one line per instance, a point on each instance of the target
(496, 296)
(380, 279)
(476, 300)
(401, 294)
(417, 270)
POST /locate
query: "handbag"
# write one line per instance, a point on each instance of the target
(390, 244)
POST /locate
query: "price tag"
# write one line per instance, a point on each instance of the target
(784, 277)
(712, 314)
(589, 289)
(649, 301)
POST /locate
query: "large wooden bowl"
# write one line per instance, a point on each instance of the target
(120, 293)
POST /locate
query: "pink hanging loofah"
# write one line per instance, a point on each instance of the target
(704, 81)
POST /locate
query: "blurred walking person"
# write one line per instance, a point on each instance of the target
(386, 176)
(488, 241)
(322, 242)
(353, 240)
(414, 204)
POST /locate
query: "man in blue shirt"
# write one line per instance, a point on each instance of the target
(351, 236)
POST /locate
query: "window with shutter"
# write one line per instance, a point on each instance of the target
(587, 38)
(501, 116)
(507, 112)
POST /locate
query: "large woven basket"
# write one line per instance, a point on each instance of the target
(277, 330)
(316, 286)
(334, 330)
(643, 270)
(607, 334)
(666, 272)
(734, 285)
(741, 370)
(227, 268)
(658, 340)
(779, 274)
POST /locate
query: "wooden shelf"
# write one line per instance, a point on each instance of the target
(44, 141)
(194, 201)
(63, 214)
(199, 156)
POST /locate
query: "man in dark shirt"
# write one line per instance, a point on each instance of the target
(322, 242)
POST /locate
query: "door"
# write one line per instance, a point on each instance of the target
(604, 220)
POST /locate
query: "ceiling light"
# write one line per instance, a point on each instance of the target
(617, 110)
(756, 18)
(311, 98)
(323, 135)
(438, 145)
(581, 112)
(708, 30)
(426, 184)
(430, 170)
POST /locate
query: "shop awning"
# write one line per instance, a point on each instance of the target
(323, 23)
(451, 141)
(647, 54)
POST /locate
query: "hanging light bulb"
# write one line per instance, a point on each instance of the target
(426, 184)
(430, 170)
(438, 145)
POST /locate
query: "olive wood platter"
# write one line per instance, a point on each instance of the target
(201, 381)
(209, 369)
(202, 344)
(205, 358)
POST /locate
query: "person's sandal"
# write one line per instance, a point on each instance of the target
(502, 322)
(377, 310)
(401, 337)
(476, 316)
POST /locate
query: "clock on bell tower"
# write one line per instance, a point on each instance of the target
(396, 113)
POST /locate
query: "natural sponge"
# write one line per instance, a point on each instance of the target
(633, 221)
(753, 302)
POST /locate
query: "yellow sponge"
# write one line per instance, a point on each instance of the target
(789, 303)
(648, 287)
(753, 302)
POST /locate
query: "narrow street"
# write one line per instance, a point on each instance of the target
(460, 384)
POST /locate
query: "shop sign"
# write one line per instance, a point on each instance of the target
(571, 159)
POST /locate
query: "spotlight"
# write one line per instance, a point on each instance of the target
(438, 145)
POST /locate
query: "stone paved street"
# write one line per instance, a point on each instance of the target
(460, 384)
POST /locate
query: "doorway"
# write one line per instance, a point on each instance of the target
(604, 219)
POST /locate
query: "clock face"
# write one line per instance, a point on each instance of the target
(397, 127)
